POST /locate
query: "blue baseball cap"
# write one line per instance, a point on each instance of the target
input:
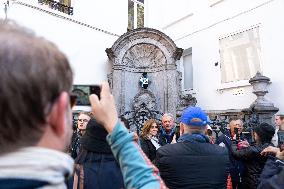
(194, 116)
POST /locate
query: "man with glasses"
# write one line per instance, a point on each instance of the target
(82, 121)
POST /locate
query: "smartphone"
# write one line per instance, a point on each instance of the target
(236, 131)
(96, 89)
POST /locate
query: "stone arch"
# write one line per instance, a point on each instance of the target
(144, 50)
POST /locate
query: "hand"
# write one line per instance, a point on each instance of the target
(136, 137)
(243, 144)
(104, 109)
(174, 139)
(273, 150)
(280, 155)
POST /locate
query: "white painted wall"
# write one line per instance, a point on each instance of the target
(189, 23)
(199, 26)
(84, 46)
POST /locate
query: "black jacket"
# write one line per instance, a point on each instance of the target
(193, 165)
(272, 176)
(148, 148)
(253, 161)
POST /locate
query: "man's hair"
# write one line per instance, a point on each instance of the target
(265, 132)
(33, 73)
(168, 115)
(194, 129)
(235, 119)
(281, 116)
(90, 114)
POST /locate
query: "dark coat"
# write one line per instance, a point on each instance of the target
(13, 183)
(272, 176)
(253, 161)
(193, 165)
(165, 138)
(75, 145)
(96, 163)
(100, 171)
(148, 148)
(236, 167)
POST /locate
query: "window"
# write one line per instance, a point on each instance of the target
(240, 55)
(59, 5)
(135, 14)
(65, 2)
(187, 70)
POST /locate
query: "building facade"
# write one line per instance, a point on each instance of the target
(225, 42)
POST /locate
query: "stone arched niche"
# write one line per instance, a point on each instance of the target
(139, 51)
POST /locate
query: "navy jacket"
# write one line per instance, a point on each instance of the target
(100, 171)
(272, 176)
(21, 183)
(236, 167)
(165, 138)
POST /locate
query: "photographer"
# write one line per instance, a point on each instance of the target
(236, 167)
(250, 155)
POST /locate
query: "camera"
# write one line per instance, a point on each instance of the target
(236, 131)
(96, 89)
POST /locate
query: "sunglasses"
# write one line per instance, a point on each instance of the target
(73, 99)
(156, 127)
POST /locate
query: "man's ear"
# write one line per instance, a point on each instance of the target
(181, 128)
(57, 118)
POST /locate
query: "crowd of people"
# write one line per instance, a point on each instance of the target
(36, 132)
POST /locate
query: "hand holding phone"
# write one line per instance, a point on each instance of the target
(96, 89)
(104, 109)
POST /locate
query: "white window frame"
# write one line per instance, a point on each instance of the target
(186, 52)
(239, 83)
(135, 2)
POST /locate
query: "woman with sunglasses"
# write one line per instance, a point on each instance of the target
(148, 139)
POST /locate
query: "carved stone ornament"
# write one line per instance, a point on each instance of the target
(184, 102)
(146, 97)
(144, 56)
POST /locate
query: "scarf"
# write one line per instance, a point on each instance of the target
(194, 138)
(36, 163)
(169, 136)
(155, 142)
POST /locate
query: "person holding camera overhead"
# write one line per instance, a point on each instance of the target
(251, 155)
(236, 167)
